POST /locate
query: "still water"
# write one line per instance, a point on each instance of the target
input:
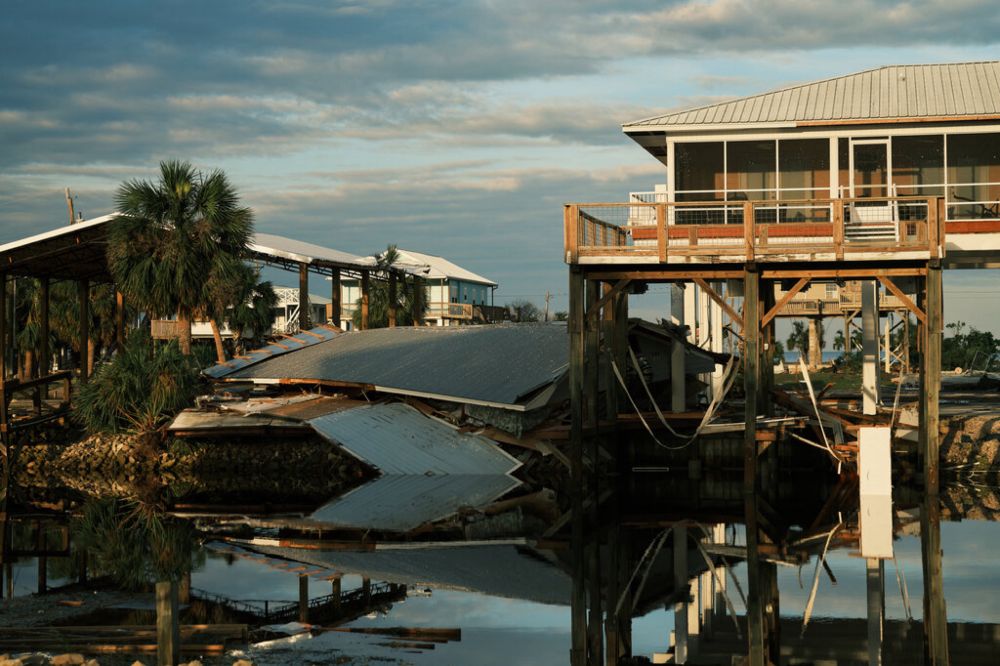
(503, 594)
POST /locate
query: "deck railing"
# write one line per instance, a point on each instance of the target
(738, 230)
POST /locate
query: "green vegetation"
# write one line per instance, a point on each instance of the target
(969, 348)
(179, 245)
(411, 296)
(524, 310)
(133, 544)
(139, 388)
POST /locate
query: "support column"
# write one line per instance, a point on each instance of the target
(3, 327)
(168, 630)
(578, 646)
(767, 339)
(869, 346)
(591, 378)
(716, 337)
(366, 590)
(751, 378)
(304, 323)
(678, 389)
(44, 355)
(84, 323)
(935, 611)
(887, 344)
(875, 574)
(303, 599)
(337, 592)
(681, 625)
(815, 349)
(335, 306)
(365, 288)
(392, 299)
(932, 378)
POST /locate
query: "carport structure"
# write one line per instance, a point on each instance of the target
(78, 252)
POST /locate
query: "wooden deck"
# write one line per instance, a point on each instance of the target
(911, 229)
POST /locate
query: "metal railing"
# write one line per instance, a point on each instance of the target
(741, 230)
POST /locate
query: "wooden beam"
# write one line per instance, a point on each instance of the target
(903, 298)
(932, 380)
(773, 312)
(662, 275)
(721, 301)
(578, 603)
(841, 273)
(609, 294)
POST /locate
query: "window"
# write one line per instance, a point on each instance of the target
(804, 173)
(973, 176)
(918, 165)
(698, 171)
(750, 170)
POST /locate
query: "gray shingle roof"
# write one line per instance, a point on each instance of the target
(893, 92)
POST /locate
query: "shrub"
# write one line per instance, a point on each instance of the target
(139, 389)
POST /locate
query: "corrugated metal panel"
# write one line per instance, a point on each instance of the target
(397, 439)
(512, 572)
(308, 253)
(287, 344)
(439, 267)
(498, 363)
(404, 502)
(896, 91)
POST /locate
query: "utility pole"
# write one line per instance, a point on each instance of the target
(547, 297)
(69, 205)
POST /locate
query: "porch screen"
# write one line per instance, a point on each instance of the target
(918, 165)
(750, 170)
(973, 176)
(698, 169)
(803, 174)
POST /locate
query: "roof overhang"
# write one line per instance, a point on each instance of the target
(74, 252)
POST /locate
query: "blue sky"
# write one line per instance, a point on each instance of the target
(452, 127)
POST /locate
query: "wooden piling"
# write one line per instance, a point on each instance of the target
(365, 287)
(335, 305)
(935, 610)
(304, 599)
(83, 294)
(874, 574)
(337, 591)
(168, 630)
(931, 433)
(392, 299)
(304, 323)
(366, 587)
(577, 315)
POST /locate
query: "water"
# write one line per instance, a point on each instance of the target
(508, 589)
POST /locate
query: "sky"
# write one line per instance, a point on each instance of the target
(456, 128)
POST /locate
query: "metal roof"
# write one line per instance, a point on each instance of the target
(496, 365)
(72, 252)
(402, 502)
(954, 91)
(397, 439)
(286, 344)
(509, 571)
(439, 268)
(269, 246)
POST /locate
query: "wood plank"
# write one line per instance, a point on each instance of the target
(773, 312)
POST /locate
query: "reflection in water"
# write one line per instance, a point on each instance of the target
(681, 566)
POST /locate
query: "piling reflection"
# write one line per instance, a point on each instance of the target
(720, 567)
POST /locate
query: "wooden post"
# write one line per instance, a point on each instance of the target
(932, 377)
(870, 346)
(168, 630)
(304, 323)
(365, 285)
(337, 592)
(304, 599)
(577, 317)
(838, 229)
(366, 587)
(906, 343)
(751, 379)
(4, 398)
(591, 425)
(3, 327)
(44, 354)
(571, 231)
(875, 572)
(392, 299)
(119, 319)
(678, 388)
(335, 305)
(748, 229)
(935, 610)
(765, 398)
(662, 239)
(681, 628)
(84, 324)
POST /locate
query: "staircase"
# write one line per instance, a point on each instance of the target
(872, 223)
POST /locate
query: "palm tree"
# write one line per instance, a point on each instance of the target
(411, 298)
(176, 242)
(251, 313)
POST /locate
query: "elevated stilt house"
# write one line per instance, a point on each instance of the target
(883, 178)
